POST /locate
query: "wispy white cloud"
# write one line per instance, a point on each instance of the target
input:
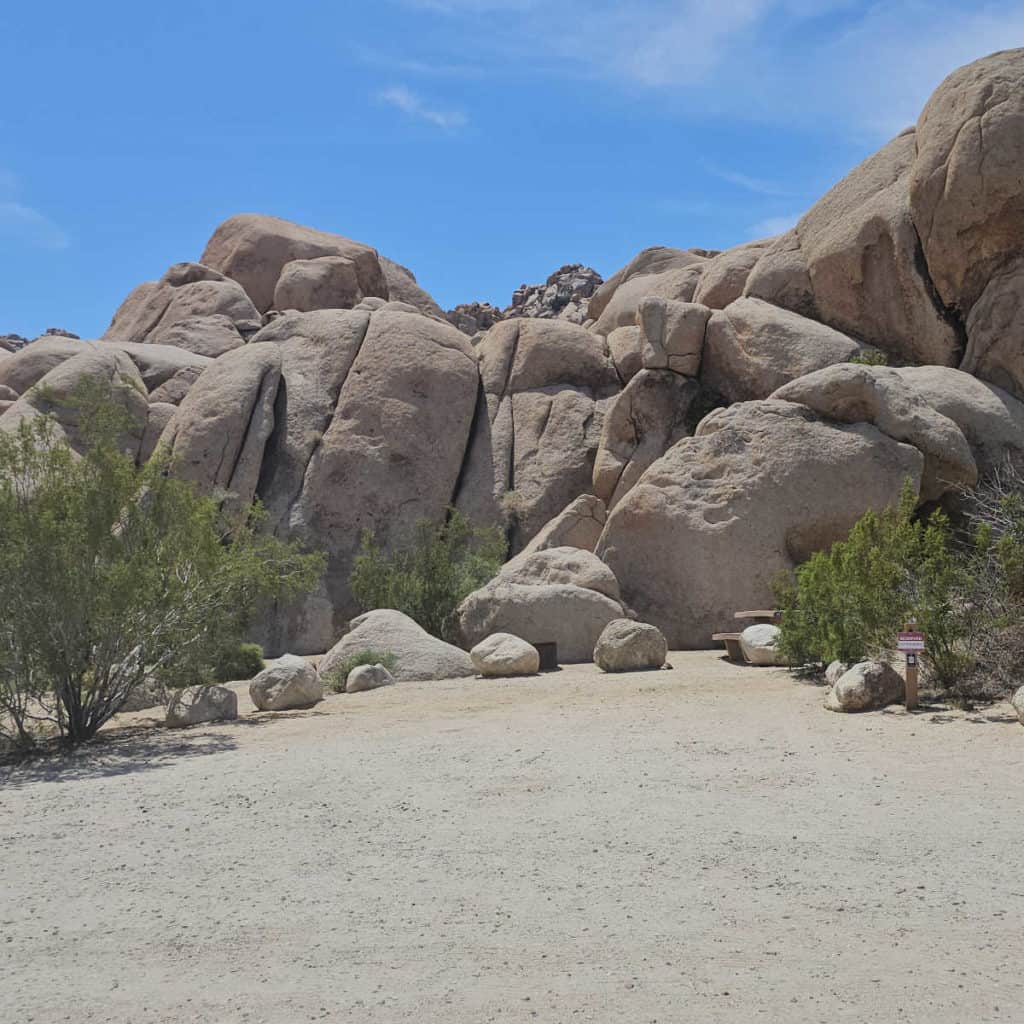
(413, 105)
(28, 225)
(403, 65)
(759, 186)
(863, 68)
(771, 226)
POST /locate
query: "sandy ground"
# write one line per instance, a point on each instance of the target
(703, 844)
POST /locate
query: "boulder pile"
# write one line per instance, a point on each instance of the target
(657, 445)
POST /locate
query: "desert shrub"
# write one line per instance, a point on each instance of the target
(870, 357)
(110, 573)
(848, 603)
(238, 661)
(428, 578)
(338, 676)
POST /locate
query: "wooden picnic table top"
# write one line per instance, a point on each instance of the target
(760, 613)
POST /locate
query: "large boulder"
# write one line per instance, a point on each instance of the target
(371, 432)
(159, 415)
(211, 335)
(626, 347)
(546, 384)
(253, 249)
(641, 424)
(678, 283)
(561, 595)
(852, 393)
(757, 490)
(291, 682)
(995, 330)
(650, 262)
(32, 363)
(752, 348)
(195, 705)
(325, 282)
(578, 525)
(503, 655)
(157, 364)
(186, 291)
(673, 334)
(725, 276)
(853, 262)
(62, 395)
(216, 438)
(628, 646)
(403, 287)
(418, 655)
(967, 186)
(991, 419)
(760, 644)
(867, 686)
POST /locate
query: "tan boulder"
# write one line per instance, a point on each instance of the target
(752, 348)
(24, 368)
(174, 389)
(376, 420)
(403, 287)
(537, 429)
(159, 363)
(628, 646)
(159, 415)
(995, 331)
(62, 394)
(216, 438)
(991, 420)
(325, 282)
(967, 186)
(561, 595)
(657, 259)
(578, 525)
(502, 655)
(863, 257)
(760, 487)
(253, 249)
(851, 393)
(725, 276)
(673, 334)
(640, 425)
(781, 277)
(185, 291)
(418, 655)
(678, 283)
(210, 336)
(196, 705)
(291, 682)
(866, 686)
(625, 345)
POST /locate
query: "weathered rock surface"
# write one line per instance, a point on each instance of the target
(209, 336)
(403, 287)
(835, 671)
(289, 683)
(752, 348)
(216, 438)
(760, 487)
(782, 278)
(418, 654)
(368, 677)
(561, 595)
(641, 424)
(371, 434)
(991, 419)
(679, 284)
(628, 646)
(656, 259)
(673, 334)
(852, 393)
(159, 416)
(967, 187)
(505, 655)
(174, 389)
(57, 395)
(545, 387)
(760, 644)
(195, 705)
(186, 291)
(565, 295)
(995, 330)
(30, 364)
(325, 282)
(725, 277)
(253, 249)
(626, 347)
(867, 686)
(578, 525)
(473, 317)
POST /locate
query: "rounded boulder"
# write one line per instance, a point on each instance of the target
(628, 646)
(289, 683)
(502, 654)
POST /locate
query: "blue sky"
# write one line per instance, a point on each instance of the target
(481, 142)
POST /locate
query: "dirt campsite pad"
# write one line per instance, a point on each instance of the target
(702, 844)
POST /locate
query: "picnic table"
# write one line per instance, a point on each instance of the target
(769, 616)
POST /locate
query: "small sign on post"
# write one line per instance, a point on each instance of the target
(911, 642)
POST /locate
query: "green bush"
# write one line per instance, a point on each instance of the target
(238, 661)
(870, 357)
(427, 579)
(338, 676)
(110, 573)
(848, 603)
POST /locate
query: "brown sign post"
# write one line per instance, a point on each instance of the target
(911, 642)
